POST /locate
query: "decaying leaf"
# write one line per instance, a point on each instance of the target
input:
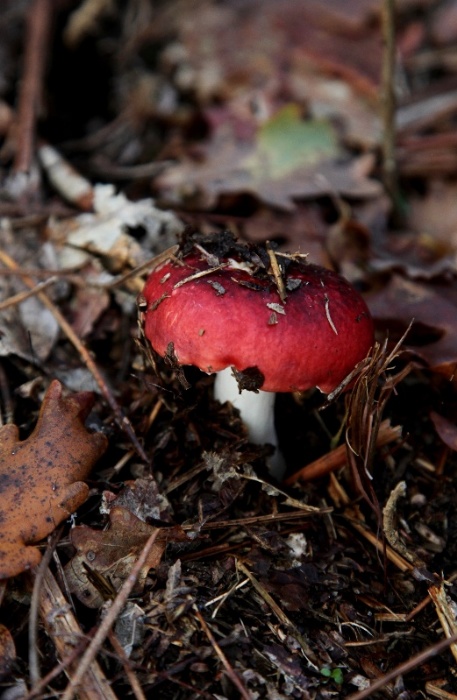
(105, 558)
(289, 158)
(105, 232)
(41, 477)
(433, 336)
(446, 429)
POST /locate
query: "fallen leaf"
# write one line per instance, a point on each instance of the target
(28, 329)
(446, 429)
(433, 336)
(144, 499)
(289, 158)
(105, 232)
(105, 558)
(41, 477)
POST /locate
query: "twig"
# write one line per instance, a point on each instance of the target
(109, 620)
(22, 296)
(230, 672)
(445, 613)
(122, 420)
(389, 162)
(437, 692)
(64, 630)
(34, 607)
(390, 553)
(337, 458)
(131, 676)
(403, 668)
(279, 613)
(30, 95)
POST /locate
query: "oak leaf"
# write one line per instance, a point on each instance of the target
(104, 558)
(41, 477)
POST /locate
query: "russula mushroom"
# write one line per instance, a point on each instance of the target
(265, 321)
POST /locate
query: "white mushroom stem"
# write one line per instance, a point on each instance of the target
(257, 413)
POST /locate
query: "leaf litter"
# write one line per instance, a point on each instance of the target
(191, 575)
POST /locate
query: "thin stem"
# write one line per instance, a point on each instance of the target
(257, 413)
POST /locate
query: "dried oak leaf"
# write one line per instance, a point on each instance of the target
(41, 477)
(105, 558)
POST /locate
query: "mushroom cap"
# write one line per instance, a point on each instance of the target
(232, 316)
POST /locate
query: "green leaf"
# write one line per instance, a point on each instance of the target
(335, 674)
(287, 143)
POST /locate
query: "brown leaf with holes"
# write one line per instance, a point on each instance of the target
(41, 477)
(105, 558)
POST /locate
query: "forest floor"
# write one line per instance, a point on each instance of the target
(186, 571)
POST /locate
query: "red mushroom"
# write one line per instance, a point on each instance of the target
(262, 320)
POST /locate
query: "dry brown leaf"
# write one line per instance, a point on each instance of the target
(41, 477)
(105, 558)
(433, 336)
(446, 429)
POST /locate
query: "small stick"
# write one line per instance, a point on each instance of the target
(445, 613)
(125, 661)
(337, 458)
(22, 296)
(405, 667)
(230, 672)
(65, 632)
(30, 95)
(389, 163)
(34, 663)
(391, 554)
(109, 620)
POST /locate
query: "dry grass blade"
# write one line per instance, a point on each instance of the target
(34, 607)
